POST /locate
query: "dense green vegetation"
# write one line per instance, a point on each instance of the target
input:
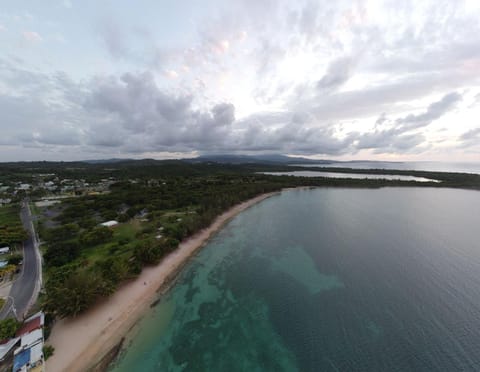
(8, 327)
(48, 351)
(11, 229)
(158, 203)
(447, 179)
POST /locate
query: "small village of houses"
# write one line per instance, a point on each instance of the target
(53, 188)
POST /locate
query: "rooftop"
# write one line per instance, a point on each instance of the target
(31, 324)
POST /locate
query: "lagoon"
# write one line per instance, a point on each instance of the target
(321, 173)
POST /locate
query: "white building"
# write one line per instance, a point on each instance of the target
(109, 223)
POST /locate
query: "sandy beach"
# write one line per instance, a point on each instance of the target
(81, 343)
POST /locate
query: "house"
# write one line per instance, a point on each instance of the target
(29, 356)
(4, 250)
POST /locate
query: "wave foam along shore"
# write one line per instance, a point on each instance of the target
(82, 342)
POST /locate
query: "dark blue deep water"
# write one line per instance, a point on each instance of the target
(326, 280)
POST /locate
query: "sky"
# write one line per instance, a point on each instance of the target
(379, 80)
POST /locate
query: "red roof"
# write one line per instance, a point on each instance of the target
(30, 326)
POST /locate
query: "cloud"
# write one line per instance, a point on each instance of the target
(131, 114)
(389, 141)
(171, 74)
(375, 98)
(471, 134)
(329, 78)
(134, 105)
(338, 73)
(32, 36)
(433, 112)
(398, 137)
(114, 39)
(470, 138)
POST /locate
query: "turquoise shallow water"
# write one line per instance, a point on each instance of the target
(326, 280)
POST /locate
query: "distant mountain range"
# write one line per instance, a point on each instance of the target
(227, 158)
(273, 158)
(106, 161)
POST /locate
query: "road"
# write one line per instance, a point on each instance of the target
(25, 289)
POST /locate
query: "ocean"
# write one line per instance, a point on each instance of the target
(326, 279)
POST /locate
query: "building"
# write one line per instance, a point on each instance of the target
(4, 250)
(29, 356)
(109, 223)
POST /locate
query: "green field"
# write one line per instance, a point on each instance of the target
(121, 244)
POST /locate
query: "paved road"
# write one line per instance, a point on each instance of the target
(24, 291)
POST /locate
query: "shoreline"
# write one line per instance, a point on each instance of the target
(82, 343)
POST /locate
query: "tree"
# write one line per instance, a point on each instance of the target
(15, 259)
(96, 236)
(48, 351)
(114, 269)
(147, 252)
(61, 233)
(74, 293)
(87, 222)
(8, 327)
(61, 253)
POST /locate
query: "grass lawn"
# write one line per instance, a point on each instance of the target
(126, 230)
(122, 243)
